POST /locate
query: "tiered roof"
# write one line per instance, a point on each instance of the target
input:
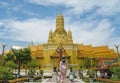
(95, 52)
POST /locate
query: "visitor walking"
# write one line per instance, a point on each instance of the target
(63, 71)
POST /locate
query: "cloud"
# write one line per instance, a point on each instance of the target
(86, 30)
(34, 29)
(47, 3)
(115, 41)
(93, 32)
(81, 6)
(1, 23)
(3, 4)
(16, 32)
(37, 30)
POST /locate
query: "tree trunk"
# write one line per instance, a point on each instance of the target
(19, 65)
(25, 70)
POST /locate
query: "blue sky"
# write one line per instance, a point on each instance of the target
(95, 22)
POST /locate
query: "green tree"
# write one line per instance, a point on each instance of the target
(27, 58)
(9, 57)
(32, 65)
(87, 62)
(22, 56)
(11, 65)
(1, 60)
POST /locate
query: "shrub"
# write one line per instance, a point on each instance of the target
(41, 71)
(116, 72)
(5, 74)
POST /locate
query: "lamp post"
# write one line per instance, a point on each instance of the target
(117, 46)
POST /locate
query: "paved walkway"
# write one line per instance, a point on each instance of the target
(75, 81)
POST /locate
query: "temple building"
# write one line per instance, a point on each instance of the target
(48, 53)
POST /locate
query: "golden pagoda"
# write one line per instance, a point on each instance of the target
(47, 54)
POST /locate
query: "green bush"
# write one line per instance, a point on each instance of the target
(31, 72)
(116, 72)
(85, 79)
(5, 74)
(41, 71)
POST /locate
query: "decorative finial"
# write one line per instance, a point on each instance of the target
(69, 29)
(50, 29)
(59, 9)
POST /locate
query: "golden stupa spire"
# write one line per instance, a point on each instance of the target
(50, 36)
(60, 35)
(69, 36)
(60, 20)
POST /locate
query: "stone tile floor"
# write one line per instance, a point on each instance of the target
(49, 80)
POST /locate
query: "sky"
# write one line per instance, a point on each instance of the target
(95, 22)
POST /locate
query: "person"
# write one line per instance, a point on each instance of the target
(71, 75)
(102, 74)
(63, 70)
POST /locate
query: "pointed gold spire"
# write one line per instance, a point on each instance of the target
(50, 36)
(60, 20)
(60, 34)
(69, 36)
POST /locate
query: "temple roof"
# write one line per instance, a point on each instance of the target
(95, 52)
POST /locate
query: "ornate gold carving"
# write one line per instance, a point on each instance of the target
(60, 35)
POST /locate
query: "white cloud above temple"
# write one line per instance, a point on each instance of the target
(91, 21)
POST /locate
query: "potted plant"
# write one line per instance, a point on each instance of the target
(31, 74)
(41, 73)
